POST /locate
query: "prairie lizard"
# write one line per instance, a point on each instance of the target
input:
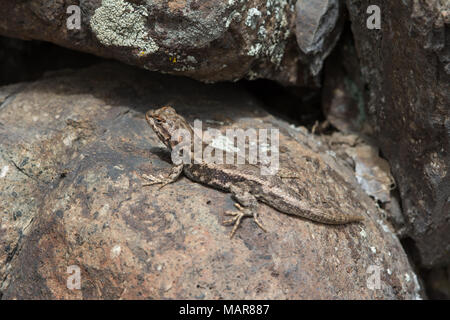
(244, 182)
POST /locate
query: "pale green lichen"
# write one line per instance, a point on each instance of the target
(118, 23)
(262, 32)
(252, 17)
(191, 59)
(252, 75)
(233, 16)
(255, 50)
(272, 43)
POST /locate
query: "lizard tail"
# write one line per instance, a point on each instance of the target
(336, 218)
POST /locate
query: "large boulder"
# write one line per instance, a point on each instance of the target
(406, 66)
(210, 40)
(73, 148)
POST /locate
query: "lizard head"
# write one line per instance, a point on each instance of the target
(165, 122)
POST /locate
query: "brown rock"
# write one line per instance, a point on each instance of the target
(207, 40)
(343, 94)
(406, 67)
(73, 148)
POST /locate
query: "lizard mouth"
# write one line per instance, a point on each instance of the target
(156, 123)
(149, 114)
(152, 116)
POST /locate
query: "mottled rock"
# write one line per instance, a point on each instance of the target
(318, 27)
(73, 148)
(371, 171)
(210, 40)
(406, 66)
(343, 93)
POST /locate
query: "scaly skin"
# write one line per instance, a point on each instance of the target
(244, 182)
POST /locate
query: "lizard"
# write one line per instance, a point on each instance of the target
(246, 185)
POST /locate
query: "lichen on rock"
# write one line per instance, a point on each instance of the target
(118, 23)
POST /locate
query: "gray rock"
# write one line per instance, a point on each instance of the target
(210, 41)
(318, 27)
(73, 148)
(406, 67)
(343, 94)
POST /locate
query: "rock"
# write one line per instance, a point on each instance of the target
(22, 61)
(343, 94)
(406, 66)
(210, 41)
(372, 172)
(318, 27)
(437, 281)
(73, 148)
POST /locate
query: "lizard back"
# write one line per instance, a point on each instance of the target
(270, 190)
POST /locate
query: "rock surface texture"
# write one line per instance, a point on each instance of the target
(73, 148)
(207, 40)
(318, 27)
(406, 65)
(343, 89)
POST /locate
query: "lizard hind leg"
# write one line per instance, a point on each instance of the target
(247, 205)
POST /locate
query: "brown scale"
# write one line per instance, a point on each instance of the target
(244, 182)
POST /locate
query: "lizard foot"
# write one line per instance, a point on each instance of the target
(156, 180)
(238, 215)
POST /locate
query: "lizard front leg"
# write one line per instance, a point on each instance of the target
(247, 205)
(175, 173)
